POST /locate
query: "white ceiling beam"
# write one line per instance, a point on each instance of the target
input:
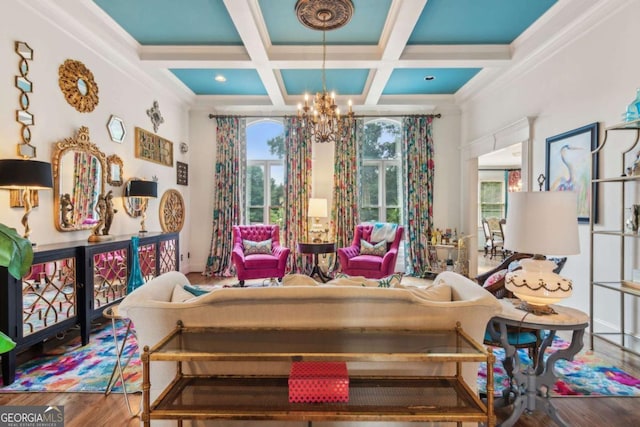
(250, 25)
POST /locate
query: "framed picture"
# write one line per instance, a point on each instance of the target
(154, 148)
(182, 173)
(569, 164)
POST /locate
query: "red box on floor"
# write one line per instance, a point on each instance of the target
(318, 382)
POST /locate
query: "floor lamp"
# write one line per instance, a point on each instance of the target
(25, 175)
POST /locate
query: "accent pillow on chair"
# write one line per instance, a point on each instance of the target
(252, 248)
(378, 249)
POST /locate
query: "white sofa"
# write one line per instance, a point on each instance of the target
(452, 298)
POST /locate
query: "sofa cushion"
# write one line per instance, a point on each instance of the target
(378, 249)
(251, 247)
(385, 282)
(260, 261)
(365, 262)
(180, 294)
(438, 292)
(196, 290)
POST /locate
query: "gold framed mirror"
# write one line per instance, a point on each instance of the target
(133, 206)
(79, 179)
(77, 85)
(24, 85)
(114, 170)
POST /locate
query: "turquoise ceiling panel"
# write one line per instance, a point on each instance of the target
(171, 22)
(364, 28)
(476, 22)
(409, 81)
(238, 82)
(343, 82)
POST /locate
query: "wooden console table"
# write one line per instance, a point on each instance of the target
(379, 397)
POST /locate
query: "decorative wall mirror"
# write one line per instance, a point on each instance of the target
(77, 85)
(79, 178)
(24, 85)
(133, 206)
(114, 170)
(116, 129)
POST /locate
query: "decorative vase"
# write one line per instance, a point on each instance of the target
(135, 276)
(633, 109)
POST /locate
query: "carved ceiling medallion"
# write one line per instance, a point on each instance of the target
(324, 14)
(77, 85)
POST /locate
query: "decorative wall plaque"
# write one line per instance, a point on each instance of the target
(154, 148)
(171, 211)
(182, 171)
(155, 115)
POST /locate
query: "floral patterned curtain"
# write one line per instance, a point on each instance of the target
(297, 189)
(346, 183)
(418, 172)
(228, 198)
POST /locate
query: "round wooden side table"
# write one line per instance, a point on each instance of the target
(316, 249)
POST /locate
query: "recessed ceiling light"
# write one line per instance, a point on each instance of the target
(220, 78)
(429, 78)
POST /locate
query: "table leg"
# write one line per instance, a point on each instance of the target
(118, 366)
(316, 270)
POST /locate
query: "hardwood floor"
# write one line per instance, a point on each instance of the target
(94, 409)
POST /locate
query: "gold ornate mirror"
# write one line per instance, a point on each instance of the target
(77, 85)
(79, 178)
(171, 211)
(133, 206)
(114, 170)
(24, 85)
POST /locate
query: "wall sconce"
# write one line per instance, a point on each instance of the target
(25, 175)
(317, 209)
(143, 189)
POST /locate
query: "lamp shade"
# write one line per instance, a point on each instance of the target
(317, 208)
(139, 188)
(542, 222)
(19, 173)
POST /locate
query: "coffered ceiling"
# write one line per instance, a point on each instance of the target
(393, 55)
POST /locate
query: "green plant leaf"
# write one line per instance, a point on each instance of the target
(16, 252)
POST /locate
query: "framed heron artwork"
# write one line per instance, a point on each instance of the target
(570, 166)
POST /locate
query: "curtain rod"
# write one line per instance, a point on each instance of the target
(436, 116)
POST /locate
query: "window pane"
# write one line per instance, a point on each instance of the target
(489, 210)
(276, 216)
(392, 186)
(491, 192)
(381, 140)
(370, 185)
(277, 185)
(369, 214)
(256, 215)
(265, 141)
(255, 182)
(393, 215)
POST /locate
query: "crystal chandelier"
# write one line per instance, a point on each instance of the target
(322, 118)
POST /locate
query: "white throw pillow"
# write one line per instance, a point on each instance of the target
(439, 292)
(180, 295)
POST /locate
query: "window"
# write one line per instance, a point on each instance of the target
(492, 199)
(381, 198)
(265, 173)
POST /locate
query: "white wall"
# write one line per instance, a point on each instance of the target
(590, 78)
(123, 91)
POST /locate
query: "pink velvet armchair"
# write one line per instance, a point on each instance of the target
(263, 260)
(353, 263)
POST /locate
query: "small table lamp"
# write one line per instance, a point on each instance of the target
(542, 222)
(144, 189)
(317, 209)
(25, 175)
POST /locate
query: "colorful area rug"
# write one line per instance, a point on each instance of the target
(586, 375)
(73, 368)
